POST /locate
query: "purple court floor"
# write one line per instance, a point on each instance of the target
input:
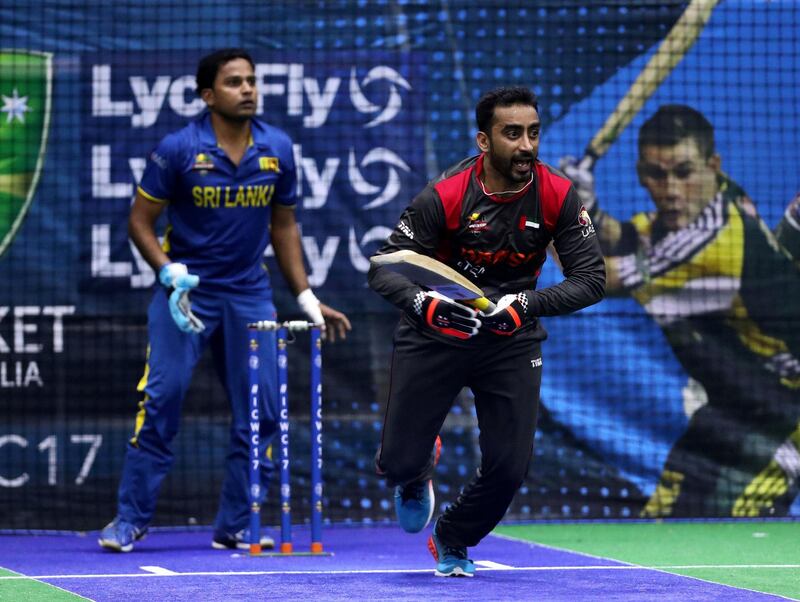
(368, 563)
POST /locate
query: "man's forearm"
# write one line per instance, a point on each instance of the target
(289, 254)
(141, 230)
(148, 246)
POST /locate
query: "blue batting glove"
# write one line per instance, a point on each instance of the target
(176, 276)
(181, 310)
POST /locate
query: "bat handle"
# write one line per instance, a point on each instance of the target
(483, 304)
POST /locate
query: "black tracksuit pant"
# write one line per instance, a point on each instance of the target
(504, 374)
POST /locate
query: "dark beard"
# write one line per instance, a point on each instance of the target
(506, 169)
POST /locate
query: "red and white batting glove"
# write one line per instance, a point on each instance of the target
(510, 314)
(444, 315)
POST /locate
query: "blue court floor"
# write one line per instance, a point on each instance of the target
(368, 563)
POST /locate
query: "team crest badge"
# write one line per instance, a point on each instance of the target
(586, 223)
(25, 102)
(269, 164)
(583, 218)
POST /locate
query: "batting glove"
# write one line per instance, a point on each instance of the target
(176, 276)
(444, 315)
(309, 303)
(510, 314)
(582, 179)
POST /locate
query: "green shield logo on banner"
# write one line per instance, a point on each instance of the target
(25, 88)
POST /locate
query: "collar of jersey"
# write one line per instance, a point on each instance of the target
(503, 199)
(209, 140)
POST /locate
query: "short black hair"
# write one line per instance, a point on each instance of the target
(672, 123)
(209, 65)
(502, 97)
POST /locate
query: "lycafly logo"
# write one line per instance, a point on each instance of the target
(25, 93)
(395, 101)
(309, 98)
(362, 186)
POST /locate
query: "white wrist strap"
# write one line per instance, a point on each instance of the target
(307, 296)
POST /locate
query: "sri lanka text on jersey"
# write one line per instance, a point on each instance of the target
(227, 196)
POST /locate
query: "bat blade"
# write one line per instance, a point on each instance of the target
(670, 52)
(434, 275)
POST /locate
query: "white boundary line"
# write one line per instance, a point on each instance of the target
(494, 567)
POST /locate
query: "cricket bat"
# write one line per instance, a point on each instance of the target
(670, 52)
(436, 276)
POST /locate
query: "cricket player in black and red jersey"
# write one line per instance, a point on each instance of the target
(491, 217)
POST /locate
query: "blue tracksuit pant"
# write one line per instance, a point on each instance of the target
(172, 356)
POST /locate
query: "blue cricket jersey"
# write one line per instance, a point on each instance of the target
(219, 213)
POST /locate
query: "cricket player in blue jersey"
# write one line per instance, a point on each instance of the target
(227, 182)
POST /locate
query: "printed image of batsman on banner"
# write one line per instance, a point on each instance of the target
(720, 384)
(725, 294)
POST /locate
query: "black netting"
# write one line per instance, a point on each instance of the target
(379, 97)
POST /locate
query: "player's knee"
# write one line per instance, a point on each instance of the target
(167, 429)
(508, 476)
(399, 466)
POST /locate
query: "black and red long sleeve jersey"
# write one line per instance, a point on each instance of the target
(500, 242)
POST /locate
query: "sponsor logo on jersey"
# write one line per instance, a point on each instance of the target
(536, 362)
(25, 102)
(269, 164)
(203, 162)
(158, 160)
(403, 227)
(501, 257)
(476, 224)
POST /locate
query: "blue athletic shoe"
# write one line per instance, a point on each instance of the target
(414, 505)
(119, 535)
(240, 540)
(414, 502)
(450, 561)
